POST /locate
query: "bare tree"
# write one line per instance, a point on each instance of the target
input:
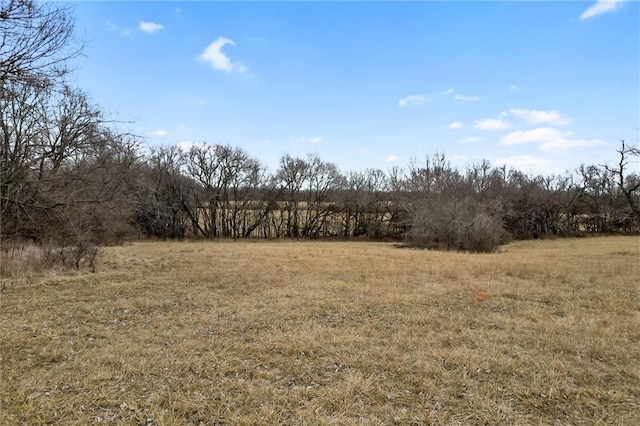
(322, 181)
(444, 211)
(35, 42)
(628, 183)
(230, 180)
(203, 165)
(165, 205)
(289, 182)
(46, 135)
(62, 172)
(245, 210)
(599, 198)
(350, 202)
(377, 207)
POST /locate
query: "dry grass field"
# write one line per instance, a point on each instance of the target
(313, 333)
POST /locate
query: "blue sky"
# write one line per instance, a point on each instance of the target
(540, 86)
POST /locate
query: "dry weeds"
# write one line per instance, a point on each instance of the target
(545, 332)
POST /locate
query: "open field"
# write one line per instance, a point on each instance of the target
(545, 332)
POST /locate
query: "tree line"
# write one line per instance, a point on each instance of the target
(69, 178)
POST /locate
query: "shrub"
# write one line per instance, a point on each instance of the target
(21, 258)
(455, 225)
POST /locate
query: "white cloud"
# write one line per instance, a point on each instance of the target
(198, 102)
(150, 27)
(464, 98)
(178, 11)
(540, 134)
(514, 88)
(600, 7)
(563, 144)
(186, 145)
(218, 60)
(458, 159)
(126, 32)
(548, 138)
(456, 125)
(411, 100)
(471, 139)
(392, 158)
(526, 163)
(458, 97)
(305, 140)
(491, 124)
(160, 133)
(111, 26)
(534, 116)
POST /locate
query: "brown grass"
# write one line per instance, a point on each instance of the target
(545, 332)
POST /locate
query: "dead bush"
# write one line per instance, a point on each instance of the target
(455, 225)
(484, 234)
(22, 258)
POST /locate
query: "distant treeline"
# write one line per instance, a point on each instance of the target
(107, 190)
(215, 191)
(67, 178)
